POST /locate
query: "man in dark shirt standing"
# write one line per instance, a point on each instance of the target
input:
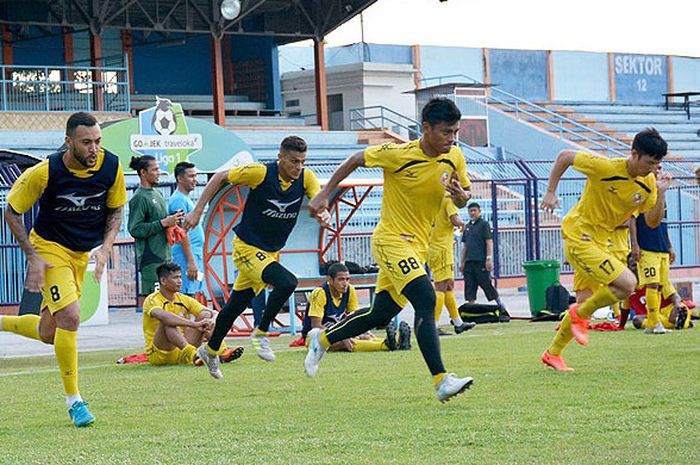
(477, 259)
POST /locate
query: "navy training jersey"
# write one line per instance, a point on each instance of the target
(270, 213)
(653, 239)
(73, 211)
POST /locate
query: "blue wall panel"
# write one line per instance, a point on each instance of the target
(686, 74)
(261, 48)
(39, 50)
(438, 61)
(581, 76)
(640, 78)
(173, 68)
(523, 73)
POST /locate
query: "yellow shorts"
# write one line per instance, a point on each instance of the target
(158, 356)
(250, 262)
(653, 268)
(594, 265)
(442, 263)
(399, 263)
(65, 277)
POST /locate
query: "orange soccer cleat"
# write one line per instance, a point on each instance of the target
(555, 361)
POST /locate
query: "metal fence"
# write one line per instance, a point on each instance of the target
(508, 192)
(64, 88)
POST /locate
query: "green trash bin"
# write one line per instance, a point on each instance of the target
(540, 274)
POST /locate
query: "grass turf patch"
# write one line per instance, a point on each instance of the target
(631, 400)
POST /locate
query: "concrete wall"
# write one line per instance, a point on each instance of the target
(520, 72)
(580, 76)
(360, 84)
(436, 61)
(640, 78)
(686, 74)
(38, 50)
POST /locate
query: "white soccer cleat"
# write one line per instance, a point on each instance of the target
(451, 386)
(315, 353)
(211, 361)
(263, 347)
(658, 329)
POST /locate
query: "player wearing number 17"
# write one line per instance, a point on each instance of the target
(81, 196)
(417, 176)
(615, 190)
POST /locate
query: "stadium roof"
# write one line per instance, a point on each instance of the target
(286, 20)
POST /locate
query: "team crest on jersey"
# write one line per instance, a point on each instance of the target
(637, 198)
(444, 178)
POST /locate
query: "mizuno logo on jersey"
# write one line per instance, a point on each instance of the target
(79, 202)
(281, 209)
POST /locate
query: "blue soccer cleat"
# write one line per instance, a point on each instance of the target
(80, 414)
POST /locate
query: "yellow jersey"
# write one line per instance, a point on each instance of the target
(253, 174)
(413, 188)
(609, 198)
(317, 302)
(442, 233)
(27, 190)
(182, 305)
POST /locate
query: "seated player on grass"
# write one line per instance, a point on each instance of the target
(175, 324)
(337, 299)
(673, 312)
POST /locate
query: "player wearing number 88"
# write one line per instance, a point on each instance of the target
(615, 190)
(417, 176)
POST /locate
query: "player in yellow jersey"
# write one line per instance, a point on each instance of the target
(417, 176)
(616, 189)
(441, 261)
(337, 299)
(81, 195)
(270, 213)
(175, 324)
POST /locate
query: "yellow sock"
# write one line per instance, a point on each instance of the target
(66, 348)
(187, 355)
(374, 345)
(603, 297)
(260, 332)
(437, 378)
(439, 303)
(25, 325)
(215, 352)
(324, 339)
(563, 336)
(653, 297)
(451, 304)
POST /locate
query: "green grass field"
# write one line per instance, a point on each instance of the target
(632, 400)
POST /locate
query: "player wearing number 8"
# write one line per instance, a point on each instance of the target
(270, 213)
(417, 176)
(81, 195)
(615, 190)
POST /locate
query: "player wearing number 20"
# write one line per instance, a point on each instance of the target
(615, 190)
(417, 176)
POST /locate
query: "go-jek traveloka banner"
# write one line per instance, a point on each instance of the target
(164, 132)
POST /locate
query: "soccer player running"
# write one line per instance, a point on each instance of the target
(615, 190)
(417, 176)
(269, 215)
(81, 196)
(441, 261)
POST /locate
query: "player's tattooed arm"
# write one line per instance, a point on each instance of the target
(36, 266)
